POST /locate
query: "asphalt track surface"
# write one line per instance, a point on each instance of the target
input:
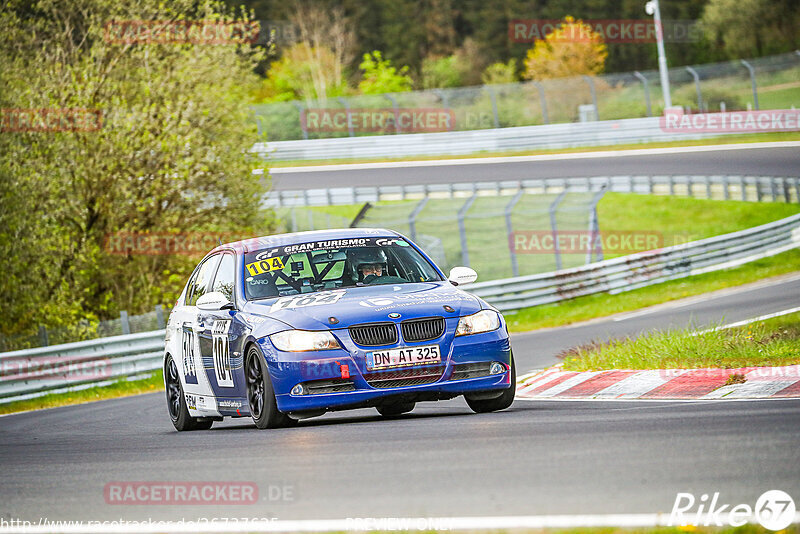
(539, 457)
(773, 161)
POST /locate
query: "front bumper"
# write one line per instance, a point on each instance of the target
(289, 369)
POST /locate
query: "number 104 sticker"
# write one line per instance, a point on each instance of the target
(301, 301)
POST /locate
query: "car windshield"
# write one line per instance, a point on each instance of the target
(324, 265)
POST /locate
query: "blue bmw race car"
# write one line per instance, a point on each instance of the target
(291, 326)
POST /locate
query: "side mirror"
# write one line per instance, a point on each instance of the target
(214, 301)
(462, 275)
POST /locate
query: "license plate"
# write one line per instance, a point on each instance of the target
(382, 359)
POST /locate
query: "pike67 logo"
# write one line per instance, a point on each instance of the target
(774, 510)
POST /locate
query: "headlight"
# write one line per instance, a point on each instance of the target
(303, 340)
(483, 321)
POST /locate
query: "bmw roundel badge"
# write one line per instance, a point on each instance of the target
(394, 315)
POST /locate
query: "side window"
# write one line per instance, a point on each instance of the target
(226, 275)
(199, 284)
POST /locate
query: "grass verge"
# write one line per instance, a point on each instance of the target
(774, 342)
(121, 388)
(721, 140)
(603, 305)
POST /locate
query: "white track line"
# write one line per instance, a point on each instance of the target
(540, 157)
(374, 524)
(706, 297)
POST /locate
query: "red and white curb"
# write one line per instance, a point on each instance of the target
(759, 383)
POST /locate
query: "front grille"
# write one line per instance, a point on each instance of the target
(374, 335)
(462, 371)
(423, 329)
(405, 377)
(334, 385)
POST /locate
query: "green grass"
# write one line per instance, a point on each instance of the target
(683, 219)
(721, 140)
(774, 342)
(121, 388)
(603, 305)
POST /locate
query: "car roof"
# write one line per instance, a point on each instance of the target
(278, 240)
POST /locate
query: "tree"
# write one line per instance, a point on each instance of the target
(169, 154)
(499, 73)
(303, 73)
(573, 48)
(381, 77)
(748, 28)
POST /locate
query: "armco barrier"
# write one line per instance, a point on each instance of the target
(33, 372)
(643, 269)
(721, 187)
(547, 136)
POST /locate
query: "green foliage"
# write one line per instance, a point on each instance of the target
(769, 343)
(500, 73)
(170, 156)
(747, 28)
(381, 77)
(303, 73)
(442, 72)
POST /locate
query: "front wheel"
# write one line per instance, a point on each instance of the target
(261, 396)
(176, 402)
(498, 403)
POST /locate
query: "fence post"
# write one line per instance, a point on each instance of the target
(594, 228)
(510, 231)
(787, 194)
(123, 321)
(797, 188)
(543, 101)
(412, 218)
(696, 77)
(347, 114)
(443, 97)
(494, 105)
(160, 317)
(44, 340)
(299, 107)
(744, 185)
(644, 81)
(396, 112)
(462, 213)
(752, 72)
(590, 81)
(554, 227)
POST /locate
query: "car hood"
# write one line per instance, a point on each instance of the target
(367, 304)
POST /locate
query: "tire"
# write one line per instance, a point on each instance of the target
(261, 396)
(390, 410)
(498, 403)
(176, 402)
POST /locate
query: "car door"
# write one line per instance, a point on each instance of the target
(189, 328)
(221, 339)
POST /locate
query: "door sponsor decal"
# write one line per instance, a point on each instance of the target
(220, 348)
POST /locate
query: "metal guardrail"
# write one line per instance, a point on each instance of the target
(642, 269)
(35, 372)
(721, 187)
(31, 373)
(547, 136)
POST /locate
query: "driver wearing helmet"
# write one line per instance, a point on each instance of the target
(370, 266)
